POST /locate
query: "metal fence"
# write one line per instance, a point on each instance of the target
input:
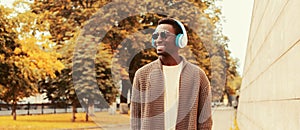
(44, 108)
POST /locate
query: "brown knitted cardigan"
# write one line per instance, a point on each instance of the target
(147, 103)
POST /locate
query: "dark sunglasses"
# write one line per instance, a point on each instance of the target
(163, 34)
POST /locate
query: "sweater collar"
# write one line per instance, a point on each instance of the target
(184, 62)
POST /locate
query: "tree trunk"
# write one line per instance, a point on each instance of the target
(91, 109)
(126, 85)
(229, 98)
(74, 112)
(14, 107)
(87, 113)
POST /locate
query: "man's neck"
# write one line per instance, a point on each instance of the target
(169, 60)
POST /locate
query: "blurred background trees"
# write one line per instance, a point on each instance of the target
(25, 58)
(69, 48)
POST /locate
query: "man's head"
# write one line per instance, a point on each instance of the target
(164, 37)
(172, 22)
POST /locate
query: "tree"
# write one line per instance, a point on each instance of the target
(125, 29)
(131, 33)
(23, 60)
(65, 17)
(69, 18)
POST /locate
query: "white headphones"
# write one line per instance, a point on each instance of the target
(181, 39)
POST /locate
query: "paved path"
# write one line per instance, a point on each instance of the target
(222, 118)
(116, 127)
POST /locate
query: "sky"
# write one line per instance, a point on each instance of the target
(237, 15)
(7, 2)
(237, 18)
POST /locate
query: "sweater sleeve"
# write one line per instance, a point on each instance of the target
(135, 105)
(204, 110)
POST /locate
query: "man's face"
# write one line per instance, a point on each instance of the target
(165, 45)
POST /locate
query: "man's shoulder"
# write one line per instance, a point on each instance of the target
(148, 67)
(195, 68)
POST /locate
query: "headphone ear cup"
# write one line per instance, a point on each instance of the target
(153, 43)
(179, 40)
(182, 39)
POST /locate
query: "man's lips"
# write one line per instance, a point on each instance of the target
(160, 48)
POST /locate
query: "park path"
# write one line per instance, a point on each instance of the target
(222, 120)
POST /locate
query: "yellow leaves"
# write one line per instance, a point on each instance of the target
(218, 11)
(17, 51)
(18, 64)
(124, 74)
(25, 74)
(124, 32)
(35, 61)
(59, 36)
(2, 57)
(40, 65)
(1, 87)
(32, 65)
(45, 46)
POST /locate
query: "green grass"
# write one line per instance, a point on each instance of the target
(59, 121)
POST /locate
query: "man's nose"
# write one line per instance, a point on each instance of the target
(159, 40)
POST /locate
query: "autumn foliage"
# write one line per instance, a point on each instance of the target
(77, 51)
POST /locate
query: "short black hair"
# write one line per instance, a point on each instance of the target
(172, 22)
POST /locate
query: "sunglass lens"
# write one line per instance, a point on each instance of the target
(155, 36)
(163, 35)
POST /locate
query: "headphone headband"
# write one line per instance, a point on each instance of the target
(183, 40)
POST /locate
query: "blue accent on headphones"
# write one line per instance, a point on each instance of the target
(178, 40)
(181, 39)
(153, 42)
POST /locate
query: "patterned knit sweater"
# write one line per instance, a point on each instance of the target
(147, 103)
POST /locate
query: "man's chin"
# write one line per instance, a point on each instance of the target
(161, 53)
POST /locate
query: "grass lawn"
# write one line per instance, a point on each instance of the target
(60, 121)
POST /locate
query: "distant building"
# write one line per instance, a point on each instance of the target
(39, 98)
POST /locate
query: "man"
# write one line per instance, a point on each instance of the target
(170, 93)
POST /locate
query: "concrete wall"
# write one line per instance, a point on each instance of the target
(270, 92)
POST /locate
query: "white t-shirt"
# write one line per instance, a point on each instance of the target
(171, 80)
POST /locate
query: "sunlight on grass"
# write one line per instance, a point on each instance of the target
(103, 119)
(59, 121)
